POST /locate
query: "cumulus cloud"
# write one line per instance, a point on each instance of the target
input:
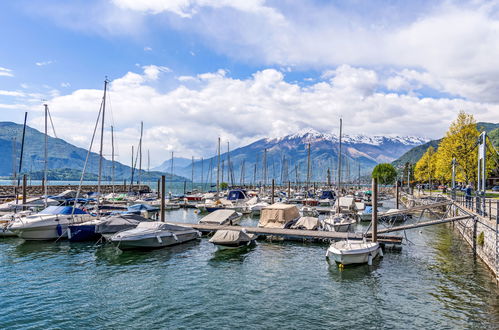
(6, 72)
(189, 120)
(454, 43)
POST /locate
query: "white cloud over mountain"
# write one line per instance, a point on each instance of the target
(189, 118)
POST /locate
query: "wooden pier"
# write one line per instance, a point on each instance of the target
(293, 234)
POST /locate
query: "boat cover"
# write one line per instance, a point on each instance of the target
(308, 223)
(118, 222)
(142, 207)
(277, 215)
(62, 210)
(220, 217)
(224, 236)
(235, 195)
(328, 194)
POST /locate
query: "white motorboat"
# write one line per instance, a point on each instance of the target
(339, 223)
(231, 239)
(347, 252)
(153, 235)
(222, 217)
(7, 219)
(49, 224)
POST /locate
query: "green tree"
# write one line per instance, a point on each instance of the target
(460, 143)
(385, 173)
(425, 167)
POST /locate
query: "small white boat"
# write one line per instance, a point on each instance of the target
(339, 223)
(347, 253)
(153, 235)
(231, 239)
(222, 217)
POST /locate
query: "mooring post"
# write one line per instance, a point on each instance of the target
(289, 190)
(158, 191)
(397, 197)
(374, 219)
(273, 188)
(162, 198)
(24, 190)
(124, 185)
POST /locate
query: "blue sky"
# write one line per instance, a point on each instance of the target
(194, 70)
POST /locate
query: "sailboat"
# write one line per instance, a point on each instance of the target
(50, 223)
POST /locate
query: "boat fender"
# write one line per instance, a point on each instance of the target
(159, 239)
(175, 237)
(59, 229)
(370, 259)
(381, 252)
(69, 233)
(199, 234)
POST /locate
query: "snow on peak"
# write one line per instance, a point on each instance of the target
(311, 134)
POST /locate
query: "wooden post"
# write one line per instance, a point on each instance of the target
(273, 188)
(159, 188)
(124, 185)
(374, 219)
(24, 190)
(162, 198)
(397, 193)
(289, 190)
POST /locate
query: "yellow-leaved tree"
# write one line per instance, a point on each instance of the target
(425, 167)
(459, 143)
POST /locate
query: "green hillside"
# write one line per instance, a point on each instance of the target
(413, 155)
(64, 159)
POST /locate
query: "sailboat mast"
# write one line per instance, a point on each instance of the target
(112, 157)
(101, 144)
(140, 152)
(171, 177)
(339, 158)
(218, 168)
(308, 167)
(192, 175)
(45, 165)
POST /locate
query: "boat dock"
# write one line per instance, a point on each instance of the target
(292, 234)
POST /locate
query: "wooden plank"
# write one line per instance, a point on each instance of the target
(415, 209)
(423, 224)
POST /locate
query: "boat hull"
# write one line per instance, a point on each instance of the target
(154, 242)
(354, 256)
(82, 233)
(43, 233)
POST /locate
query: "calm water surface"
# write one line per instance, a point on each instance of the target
(434, 282)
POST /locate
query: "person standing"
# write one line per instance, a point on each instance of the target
(467, 194)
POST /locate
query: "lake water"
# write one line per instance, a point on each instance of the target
(434, 282)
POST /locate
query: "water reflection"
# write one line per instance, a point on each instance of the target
(231, 255)
(111, 255)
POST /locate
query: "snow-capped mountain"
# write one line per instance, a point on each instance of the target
(287, 156)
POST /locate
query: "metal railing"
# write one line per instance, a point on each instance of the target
(486, 207)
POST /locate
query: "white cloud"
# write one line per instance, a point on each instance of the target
(44, 63)
(189, 120)
(147, 49)
(454, 43)
(65, 84)
(6, 72)
(12, 93)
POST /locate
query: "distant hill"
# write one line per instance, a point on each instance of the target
(414, 154)
(178, 162)
(287, 157)
(64, 158)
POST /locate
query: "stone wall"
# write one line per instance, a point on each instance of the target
(481, 234)
(32, 191)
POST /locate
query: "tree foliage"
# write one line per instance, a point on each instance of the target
(426, 166)
(384, 173)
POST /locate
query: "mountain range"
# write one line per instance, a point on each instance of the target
(287, 157)
(63, 157)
